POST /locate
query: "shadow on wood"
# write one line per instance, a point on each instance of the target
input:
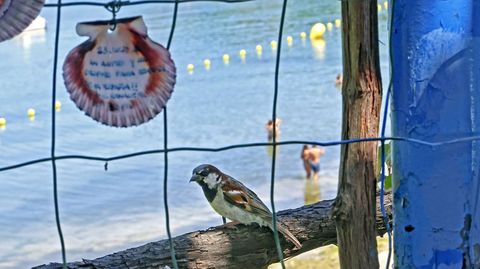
(238, 247)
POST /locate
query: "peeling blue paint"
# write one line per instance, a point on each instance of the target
(446, 257)
(436, 97)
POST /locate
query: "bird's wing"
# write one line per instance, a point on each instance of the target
(239, 195)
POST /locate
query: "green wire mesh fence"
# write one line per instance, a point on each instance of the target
(114, 7)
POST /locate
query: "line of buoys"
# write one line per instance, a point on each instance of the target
(316, 33)
(31, 114)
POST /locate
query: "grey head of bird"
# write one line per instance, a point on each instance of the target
(206, 175)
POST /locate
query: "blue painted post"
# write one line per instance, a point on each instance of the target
(436, 97)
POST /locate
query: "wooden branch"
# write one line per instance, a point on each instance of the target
(220, 247)
(362, 98)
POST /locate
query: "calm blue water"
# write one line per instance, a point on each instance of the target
(106, 211)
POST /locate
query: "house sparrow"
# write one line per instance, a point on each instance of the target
(231, 199)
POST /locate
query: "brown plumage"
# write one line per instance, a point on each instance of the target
(233, 200)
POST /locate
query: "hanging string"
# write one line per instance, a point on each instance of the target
(274, 151)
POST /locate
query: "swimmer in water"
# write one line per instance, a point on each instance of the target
(269, 127)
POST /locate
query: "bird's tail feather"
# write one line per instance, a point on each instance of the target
(288, 235)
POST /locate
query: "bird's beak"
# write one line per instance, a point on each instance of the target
(195, 178)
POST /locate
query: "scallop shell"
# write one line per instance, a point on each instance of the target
(120, 78)
(16, 15)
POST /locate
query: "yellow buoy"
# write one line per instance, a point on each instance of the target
(259, 49)
(317, 31)
(379, 8)
(226, 58)
(338, 23)
(303, 35)
(207, 63)
(3, 122)
(190, 67)
(289, 40)
(58, 105)
(329, 26)
(243, 53)
(273, 44)
(385, 5)
(31, 112)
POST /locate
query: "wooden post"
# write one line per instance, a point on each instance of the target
(354, 209)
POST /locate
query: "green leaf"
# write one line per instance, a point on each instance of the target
(388, 182)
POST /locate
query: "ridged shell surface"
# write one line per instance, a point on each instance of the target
(120, 78)
(16, 15)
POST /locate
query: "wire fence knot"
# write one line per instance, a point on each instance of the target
(114, 7)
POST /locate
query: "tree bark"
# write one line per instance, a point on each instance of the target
(220, 247)
(354, 209)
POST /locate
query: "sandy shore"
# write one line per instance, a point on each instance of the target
(327, 257)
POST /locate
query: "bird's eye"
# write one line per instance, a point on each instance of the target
(204, 173)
